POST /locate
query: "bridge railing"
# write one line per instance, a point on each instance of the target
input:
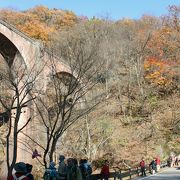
(131, 172)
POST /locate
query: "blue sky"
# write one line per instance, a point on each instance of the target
(114, 9)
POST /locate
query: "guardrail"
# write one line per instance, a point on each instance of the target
(122, 173)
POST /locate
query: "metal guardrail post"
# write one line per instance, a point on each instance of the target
(130, 173)
(120, 175)
(137, 171)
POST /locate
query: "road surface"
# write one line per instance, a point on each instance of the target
(168, 174)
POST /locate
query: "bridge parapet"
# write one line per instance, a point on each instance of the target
(14, 29)
(32, 51)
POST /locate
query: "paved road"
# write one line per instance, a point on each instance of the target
(168, 174)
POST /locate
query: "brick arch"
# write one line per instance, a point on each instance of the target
(32, 51)
(65, 74)
(66, 78)
(17, 41)
(7, 49)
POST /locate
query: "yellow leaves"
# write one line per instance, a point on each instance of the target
(162, 81)
(154, 62)
(127, 22)
(68, 19)
(153, 75)
(157, 79)
(36, 30)
(157, 71)
(164, 42)
(39, 22)
(164, 47)
(12, 17)
(41, 14)
(39, 10)
(166, 30)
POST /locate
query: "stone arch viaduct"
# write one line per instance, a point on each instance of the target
(13, 42)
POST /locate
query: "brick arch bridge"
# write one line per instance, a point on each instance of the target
(13, 43)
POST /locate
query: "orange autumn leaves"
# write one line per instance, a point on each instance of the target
(39, 22)
(158, 72)
(162, 62)
(36, 30)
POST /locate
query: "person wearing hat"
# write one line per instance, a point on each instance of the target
(20, 172)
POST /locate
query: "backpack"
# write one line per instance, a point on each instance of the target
(49, 174)
(86, 169)
(153, 164)
(89, 170)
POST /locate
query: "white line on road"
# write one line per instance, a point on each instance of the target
(147, 176)
(160, 173)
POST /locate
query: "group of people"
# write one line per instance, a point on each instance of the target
(173, 160)
(22, 171)
(154, 166)
(68, 171)
(71, 170)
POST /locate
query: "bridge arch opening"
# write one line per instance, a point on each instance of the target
(7, 49)
(11, 62)
(64, 81)
(66, 78)
(59, 87)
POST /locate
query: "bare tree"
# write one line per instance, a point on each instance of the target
(17, 82)
(70, 95)
(91, 137)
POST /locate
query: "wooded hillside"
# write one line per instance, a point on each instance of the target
(140, 115)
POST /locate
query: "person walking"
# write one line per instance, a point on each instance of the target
(86, 169)
(82, 168)
(50, 173)
(105, 170)
(143, 168)
(158, 163)
(62, 168)
(153, 166)
(73, 171)
(20, 172)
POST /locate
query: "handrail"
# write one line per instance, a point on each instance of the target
(122, 173)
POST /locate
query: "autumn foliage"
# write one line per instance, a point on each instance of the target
(158, 72)
(141, 74)
(40, 22)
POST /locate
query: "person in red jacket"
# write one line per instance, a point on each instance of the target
(143, 168)
(20, 172)
(158, 163)
(105, 170)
